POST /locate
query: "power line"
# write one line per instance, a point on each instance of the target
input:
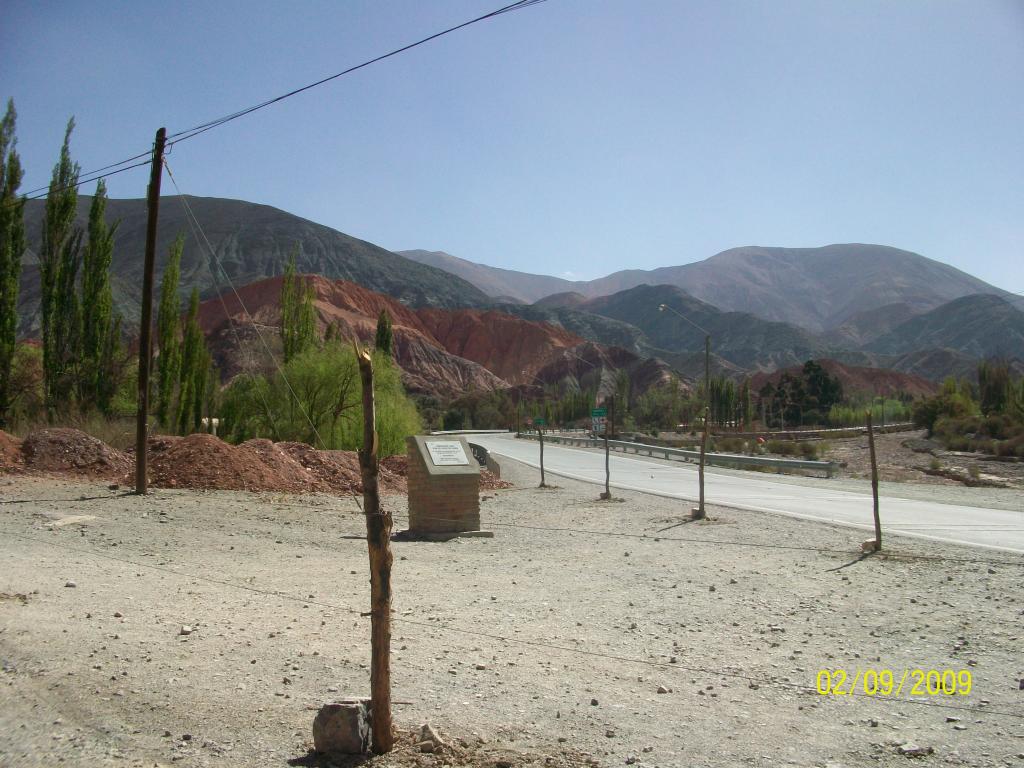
(37, 194)
(93, 173)
(189, 133)
(515, 641)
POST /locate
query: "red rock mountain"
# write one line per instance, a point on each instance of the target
(858, 380)
(510, 347)
(444, 353)
(428, 368)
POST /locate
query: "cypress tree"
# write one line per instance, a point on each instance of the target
(110, 369)
(190, 395)
(168, 336)
(12, 245)
(57, 257)
(384, 339)
(298, 317)
(67, 324)
(97, 301)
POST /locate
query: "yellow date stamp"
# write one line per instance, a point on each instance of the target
(886, 682)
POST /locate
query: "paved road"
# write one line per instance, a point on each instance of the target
(973, 526)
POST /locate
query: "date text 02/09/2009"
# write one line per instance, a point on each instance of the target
(886, 682)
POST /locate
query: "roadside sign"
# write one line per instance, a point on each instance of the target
(539, 422)
(596, 412)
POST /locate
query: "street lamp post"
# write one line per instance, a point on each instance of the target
(607, 494)
(699, 512)
(539, 423)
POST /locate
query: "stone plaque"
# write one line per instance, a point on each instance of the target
(446, 453)
(444, 486)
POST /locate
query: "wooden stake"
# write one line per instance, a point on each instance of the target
(874, 484)
(607, 466)
(146, 323)
(540, 435)
(700, 472)
(378, 539)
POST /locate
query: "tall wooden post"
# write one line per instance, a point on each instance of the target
(146, 323)
(378, 539)
(874, 483)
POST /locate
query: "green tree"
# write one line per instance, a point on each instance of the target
(384, 339)
(993, 385)
(168, 335)
(298, 318)
(12, 245)
(97, 306)
(58, 260)
(194, 363)
(318, 400)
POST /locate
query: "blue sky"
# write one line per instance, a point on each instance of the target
(574, 138)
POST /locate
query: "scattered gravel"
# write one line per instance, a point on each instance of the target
(274, 589)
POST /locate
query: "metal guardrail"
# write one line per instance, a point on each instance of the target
(736, 461)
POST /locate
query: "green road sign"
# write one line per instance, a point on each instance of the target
(599, 412)
(539, 422)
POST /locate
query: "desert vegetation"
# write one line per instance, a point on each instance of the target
(987, 417)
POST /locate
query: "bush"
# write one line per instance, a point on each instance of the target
(318, 400)
(808, 450)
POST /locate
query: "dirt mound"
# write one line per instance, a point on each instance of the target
(490, 482)
(11, 459)
(204, 461)
(339, 470)
(291, 471)
(71, 450)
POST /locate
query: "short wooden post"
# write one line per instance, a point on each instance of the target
(874, 483)
(378, 539)
(540, 435)
(700, 472)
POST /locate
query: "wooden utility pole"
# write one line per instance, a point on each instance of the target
(874, 483)
(378, 539)
(707, 369)
(146, 327)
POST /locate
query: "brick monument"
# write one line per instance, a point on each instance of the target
(444, 487)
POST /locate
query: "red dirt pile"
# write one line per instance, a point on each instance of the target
(62, 450)
(204, 462)
(11, 459)
(339, 470)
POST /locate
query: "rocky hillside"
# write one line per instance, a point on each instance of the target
(509, 347)
(442, 353)
(428, 368)
(495, 282)
(251, 242)
(978, 326)
(740, 338)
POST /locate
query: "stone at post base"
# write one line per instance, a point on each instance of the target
(343, 727)
(869, 546)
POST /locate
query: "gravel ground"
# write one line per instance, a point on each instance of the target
(600, 604)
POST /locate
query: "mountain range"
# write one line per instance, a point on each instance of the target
(815, 288)
(764, 308)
